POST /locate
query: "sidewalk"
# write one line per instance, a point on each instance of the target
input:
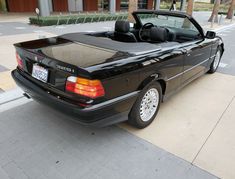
(197, 124)
(15, 17)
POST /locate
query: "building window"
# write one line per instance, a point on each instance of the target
(142, 4)
(103, 5)
(124, 4)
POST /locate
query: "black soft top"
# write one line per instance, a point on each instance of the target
(136, 48)
(106, 43)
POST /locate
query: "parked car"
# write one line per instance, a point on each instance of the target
(107, 77)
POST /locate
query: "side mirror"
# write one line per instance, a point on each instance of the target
(210, 34)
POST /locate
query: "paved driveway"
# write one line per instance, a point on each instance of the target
(37, 142)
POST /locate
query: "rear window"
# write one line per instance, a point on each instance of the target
(78, 54)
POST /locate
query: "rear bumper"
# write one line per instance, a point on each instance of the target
(102, 114)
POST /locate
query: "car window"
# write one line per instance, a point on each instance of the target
(180, 23)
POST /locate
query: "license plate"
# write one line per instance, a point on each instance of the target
(40, 73)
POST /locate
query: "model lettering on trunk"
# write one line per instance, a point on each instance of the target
(67, 69)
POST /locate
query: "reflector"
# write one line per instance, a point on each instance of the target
(19, 61)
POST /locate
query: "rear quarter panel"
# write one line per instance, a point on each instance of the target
(134, 73)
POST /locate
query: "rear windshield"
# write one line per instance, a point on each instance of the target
(79, 54)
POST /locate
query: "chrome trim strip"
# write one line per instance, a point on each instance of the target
(114, 100)
(213, 56)
(196, 65)
(179, 74)
(190, 68)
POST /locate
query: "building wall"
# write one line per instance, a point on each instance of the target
(22, 5)
(150, 4)
(90, 5)
(118, 4)
(60, 5)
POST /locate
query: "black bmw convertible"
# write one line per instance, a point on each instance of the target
(107, 77)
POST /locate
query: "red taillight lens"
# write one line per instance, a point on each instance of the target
(19, 61)
(85, 87)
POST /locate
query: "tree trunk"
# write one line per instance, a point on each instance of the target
(214, 14)
(190, 7)
(133, 6)
(230, 10)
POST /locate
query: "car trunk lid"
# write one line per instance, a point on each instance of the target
(60, 60)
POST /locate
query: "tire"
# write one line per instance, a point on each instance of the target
(143, 113)
(216, 61)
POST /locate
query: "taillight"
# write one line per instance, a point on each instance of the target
(85, 87)
(19, 61)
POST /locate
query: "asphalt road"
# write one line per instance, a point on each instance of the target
(38, 142)
(227, 65)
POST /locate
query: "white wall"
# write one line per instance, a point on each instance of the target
(79, 5)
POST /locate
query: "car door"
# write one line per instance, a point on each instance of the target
(197, 53)
(195, 59)
(172, 67)
(168, 64)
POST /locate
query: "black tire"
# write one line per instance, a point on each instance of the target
(214, 67)
(135, 117)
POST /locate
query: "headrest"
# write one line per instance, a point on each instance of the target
(122, 26)
(158, 34)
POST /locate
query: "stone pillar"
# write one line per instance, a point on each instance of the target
(50, 5)
(157, 4)
(112, 6)
(75, 5)
(44, 7)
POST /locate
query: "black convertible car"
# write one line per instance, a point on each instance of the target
(108, 77)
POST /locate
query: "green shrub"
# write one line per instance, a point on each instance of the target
(75, 19)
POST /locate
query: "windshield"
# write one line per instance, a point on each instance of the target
(166, 21)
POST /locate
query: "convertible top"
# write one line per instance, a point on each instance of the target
(106, 43)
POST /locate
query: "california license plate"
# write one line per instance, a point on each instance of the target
(40, 73)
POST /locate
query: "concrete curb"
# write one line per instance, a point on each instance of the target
(11, 99)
